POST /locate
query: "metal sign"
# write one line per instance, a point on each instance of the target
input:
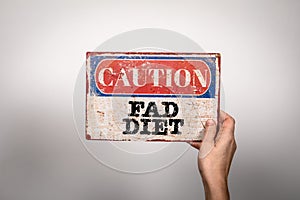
(150, 96)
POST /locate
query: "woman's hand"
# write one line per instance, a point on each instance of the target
(215, 155)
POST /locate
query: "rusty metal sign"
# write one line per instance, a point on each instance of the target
(150, 96)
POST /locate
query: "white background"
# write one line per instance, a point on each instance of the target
(43, 46)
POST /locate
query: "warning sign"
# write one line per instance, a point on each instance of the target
(150, 96)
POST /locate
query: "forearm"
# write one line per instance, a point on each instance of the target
(216, 189)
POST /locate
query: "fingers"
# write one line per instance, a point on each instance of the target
(223, 116)
(228, 123)
(196, 145)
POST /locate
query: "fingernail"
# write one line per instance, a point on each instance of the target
(210, 122)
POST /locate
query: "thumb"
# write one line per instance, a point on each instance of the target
(209, 138)
(210, 130)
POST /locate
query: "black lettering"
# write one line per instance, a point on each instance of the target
(136, 107)
(160, 126)
(145, 126)
(167, 109)
(128, 128)
(152, 108)
(176, 123)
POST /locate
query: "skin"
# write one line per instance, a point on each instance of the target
(215, 156)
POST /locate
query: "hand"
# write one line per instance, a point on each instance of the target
(215, 155)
